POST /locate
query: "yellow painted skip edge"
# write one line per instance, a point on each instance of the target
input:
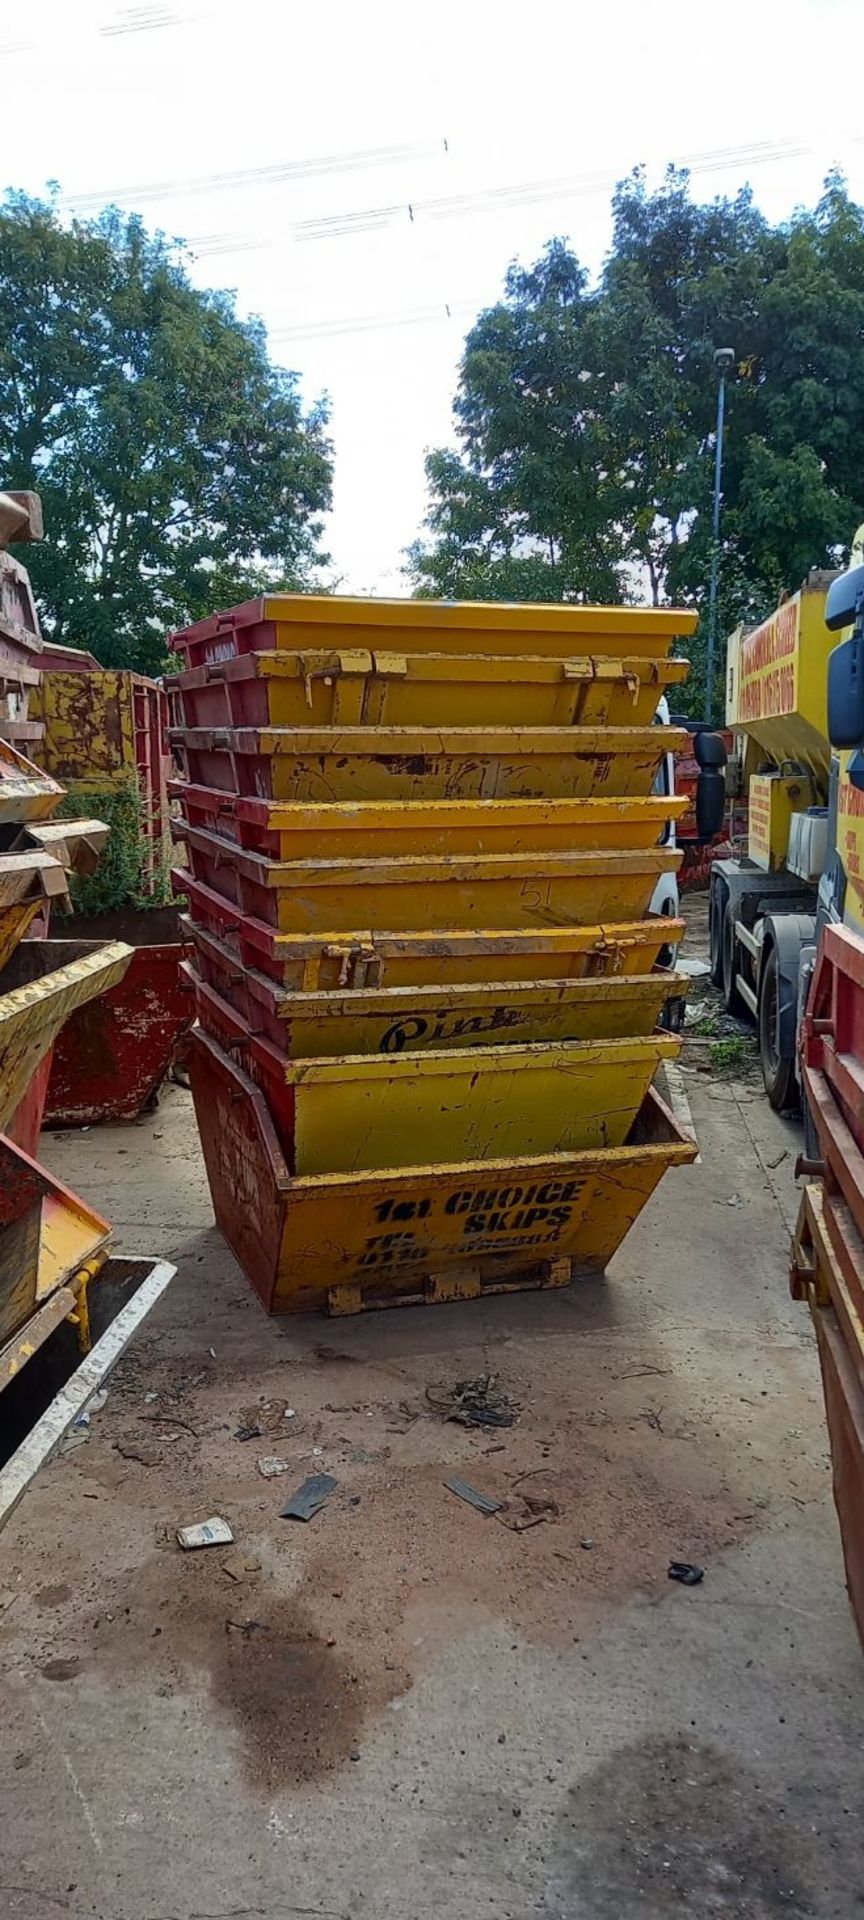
(334, 815)
(385, 1000)
(542, 617)
(352, 1067)
(99, 970)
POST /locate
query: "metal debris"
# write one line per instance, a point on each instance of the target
(685, 1572)
(482, 1501)
(310, 1498)
(481, 1402)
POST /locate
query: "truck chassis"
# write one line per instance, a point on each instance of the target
(761, 927)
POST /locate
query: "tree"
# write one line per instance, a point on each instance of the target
(177, 468)
(789, 301)
(528, 507)
(586, 415)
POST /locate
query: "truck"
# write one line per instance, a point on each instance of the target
(763, 905)
(787, 948)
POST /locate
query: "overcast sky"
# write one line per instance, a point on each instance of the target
(355, 171)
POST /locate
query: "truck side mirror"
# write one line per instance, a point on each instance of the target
(710, 753)
(846, 690)
(844, 595)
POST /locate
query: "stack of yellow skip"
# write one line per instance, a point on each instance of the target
(50, 1242)
(421, 840)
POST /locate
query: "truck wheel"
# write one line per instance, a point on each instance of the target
(718, 908)
(777, 1073)
(732, 1000)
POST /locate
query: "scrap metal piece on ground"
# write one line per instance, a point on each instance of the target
(481, 1402)
(685, 1572)
(310, 1498)
(482, 1501)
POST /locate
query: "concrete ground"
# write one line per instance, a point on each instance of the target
(405, 1709)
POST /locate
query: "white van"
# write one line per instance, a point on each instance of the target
(665, 899)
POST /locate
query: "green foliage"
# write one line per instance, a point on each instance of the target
(732, 1055)
(526, 510)
(705, 1025)
(119, 879)
(177, 468)
(586, 416)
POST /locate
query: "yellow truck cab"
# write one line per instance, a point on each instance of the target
(763, 906)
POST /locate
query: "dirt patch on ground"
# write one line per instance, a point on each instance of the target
(565, 1538)
(300, 1635)
(595, 1502)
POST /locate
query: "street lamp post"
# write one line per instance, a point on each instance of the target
(724, 361)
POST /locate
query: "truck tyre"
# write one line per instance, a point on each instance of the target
(777, 1072)
(732, 1000)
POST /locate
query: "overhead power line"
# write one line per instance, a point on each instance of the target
(488, 200)
(439, 310)
(144, 20)
(242, 179)
(443, 312)
(526, 192)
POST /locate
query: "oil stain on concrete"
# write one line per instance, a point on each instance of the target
(297, 1703)
(671, 1826)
